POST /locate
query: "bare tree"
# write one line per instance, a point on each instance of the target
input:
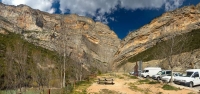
(39, 73)
(10, 72)
(49, 71)
(16, 64)
(20, 57)
(171, 48)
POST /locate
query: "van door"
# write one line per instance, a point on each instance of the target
(196, 79)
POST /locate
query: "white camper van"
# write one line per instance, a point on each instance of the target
(150, 71)
(191, 78)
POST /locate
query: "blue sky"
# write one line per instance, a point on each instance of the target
(122, 16)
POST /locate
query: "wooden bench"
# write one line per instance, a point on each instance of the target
(105, 81)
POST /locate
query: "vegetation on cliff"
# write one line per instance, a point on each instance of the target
(153, 53)
(24, 65)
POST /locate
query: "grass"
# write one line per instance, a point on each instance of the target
(81, 87)
(133, 87)
(121, 77)
(33, 91)
(170, 87)
(106, 91)
(130, 76)
(191, 93)
(159, 93)
(146, 81)
(153, 82)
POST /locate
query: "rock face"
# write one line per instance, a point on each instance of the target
(81, 38)
(89, 42)
(171, 23)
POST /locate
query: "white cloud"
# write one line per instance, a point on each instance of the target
(52, 10)
(112, 19)
(102, 19)
(43, 5)
(173, 4)
(85, 7)
(142, 4)
(97, 8)
(151, 4)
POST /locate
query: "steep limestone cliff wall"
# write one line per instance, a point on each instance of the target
(83, 39)
(170, 23)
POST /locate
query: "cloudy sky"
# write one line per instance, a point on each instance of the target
(122, 16)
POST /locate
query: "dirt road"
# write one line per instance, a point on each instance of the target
(126, 85)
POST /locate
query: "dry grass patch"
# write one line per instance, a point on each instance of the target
(170, 87)
(107, 91)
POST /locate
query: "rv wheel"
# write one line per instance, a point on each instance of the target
(147, 77)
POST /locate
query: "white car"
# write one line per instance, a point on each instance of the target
(192, 78)
(160, 74)
(168, 77)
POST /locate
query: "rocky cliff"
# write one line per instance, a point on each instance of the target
(175, 22)
(89, 42)
(82, 39)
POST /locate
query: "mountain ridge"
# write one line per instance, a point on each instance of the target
(85, 40)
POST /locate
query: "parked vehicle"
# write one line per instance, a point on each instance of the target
(160, 74)
(167, 78)
(191, 78)
(150, 71)
(131, 73)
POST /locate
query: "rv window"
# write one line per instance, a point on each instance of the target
(146, 70)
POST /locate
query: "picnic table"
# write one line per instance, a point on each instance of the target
(105, 80)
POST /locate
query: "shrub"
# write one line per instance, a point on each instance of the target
(169, 87)
(106, 91)
(153, 82)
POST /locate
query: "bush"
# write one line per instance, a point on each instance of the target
(169, 87)
(153, 82)
(106, 91)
